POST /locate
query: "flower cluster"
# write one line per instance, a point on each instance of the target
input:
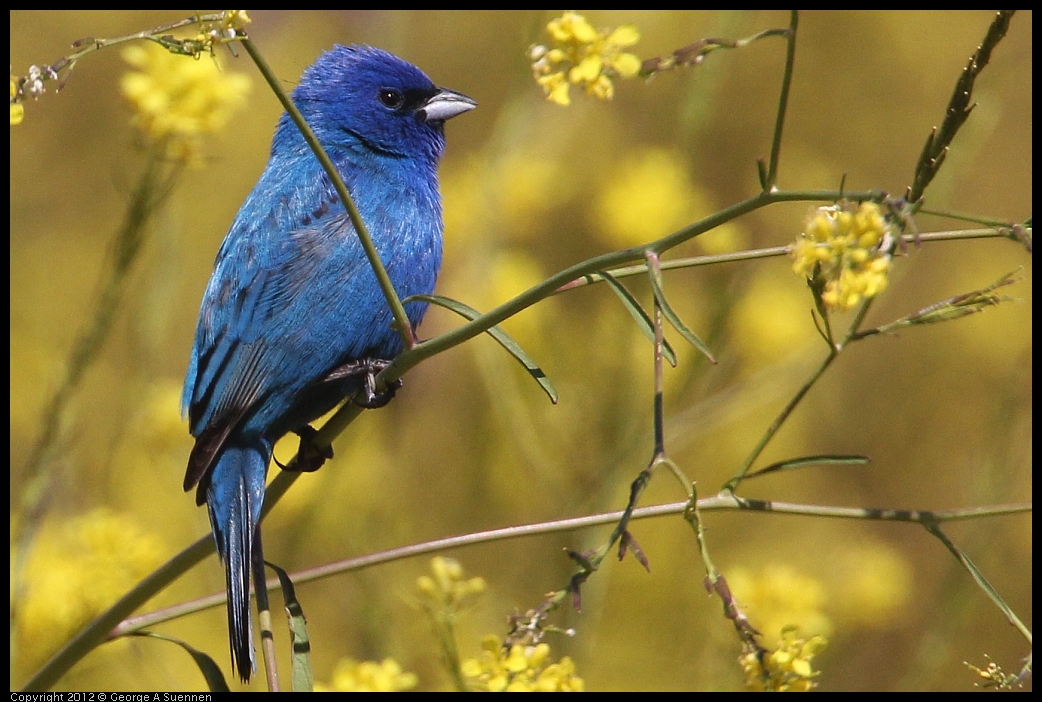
(583, 56)
(447, 591)
(780, 596)
(786, 669)
(17, 111)
(177, 99)
(228, 26)
(520, 669)
(215, 29)
(369, 676)
(31, 85)
(845, 252)
(993, 677)
(80, 566)
(233, 22)
(649, 195)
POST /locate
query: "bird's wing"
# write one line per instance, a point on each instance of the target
(265, 302)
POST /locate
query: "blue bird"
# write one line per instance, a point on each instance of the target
(293, 313)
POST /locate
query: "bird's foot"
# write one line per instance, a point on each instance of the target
(374, 399)
(309, 456)
(368, 367)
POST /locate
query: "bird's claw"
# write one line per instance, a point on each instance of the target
(373, 399)
(369, 367)
(309, 456)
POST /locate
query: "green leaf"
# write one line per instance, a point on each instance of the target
(639, 315)
(207, 666)
(512, 347)
(807, 461)
(660, 295)
(302, 674)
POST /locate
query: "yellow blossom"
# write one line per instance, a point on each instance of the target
(447, 591)
(780, 596)
(601, 88)
(78, 567)
(177, 99)
(587, 70)
(511, 272)
(234, 19)
(17, 111)
(571, 26)
(624, 36)
(786, 669)
(993, 677)
(874, 586)
(768, 319)
(369, 676)
(520, 669)
(651, 194)
(844, 251)
(583, 56)
(556, 87)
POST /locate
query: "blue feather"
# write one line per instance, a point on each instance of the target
(293, 297)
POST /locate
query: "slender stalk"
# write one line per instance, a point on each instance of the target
(401, 321)
(1002, 232)
(717, 503)
(660, 442)
(731, 484)
(97, 632)
(981, 581)
(783, 100)
(40, 471)
(608, 261)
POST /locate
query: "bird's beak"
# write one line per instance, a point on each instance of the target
(446, 104)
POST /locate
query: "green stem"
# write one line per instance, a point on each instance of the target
(1001, 232)
(39, 473)
(783, 100)
(549, 287)
(731, 484)
(115, 622)
(979, 578)
(401, 321)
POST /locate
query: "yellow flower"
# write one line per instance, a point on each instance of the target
(571, 26)
(584, 57)
(993, 677)
(587, 71)
(769, 319)
(520, 669)
(786, 669)
(447, 591)
(369, 676)
(78, 568)
(17, 111)
(177, 99)
(874, 587)
(845, 252)
(511, 272)
(649, 196)
(556, 87)
(779, 597)
(234, 19)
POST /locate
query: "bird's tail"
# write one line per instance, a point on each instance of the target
(234, 497)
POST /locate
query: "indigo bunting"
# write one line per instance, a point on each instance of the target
(293, 308)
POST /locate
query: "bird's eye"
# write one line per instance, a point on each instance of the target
(391, 98)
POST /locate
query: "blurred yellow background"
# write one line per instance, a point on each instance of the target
(471, 443)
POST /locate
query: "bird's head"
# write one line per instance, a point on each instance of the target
(360, 95)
